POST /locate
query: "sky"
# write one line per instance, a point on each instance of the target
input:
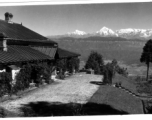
(60, 19)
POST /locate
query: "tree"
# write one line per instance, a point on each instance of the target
(73, 64)
(61, 64)
(146, 55)
(109, 72)
(95, 62)
(5, 83)
(23, 78)
(114, 65)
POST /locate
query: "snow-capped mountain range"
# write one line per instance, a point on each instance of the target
(77, 32)
(128, 33)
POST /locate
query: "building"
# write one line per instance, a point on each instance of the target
(20, 45)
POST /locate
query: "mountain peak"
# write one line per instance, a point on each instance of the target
(77, 32)
(104, 28)
(106, 32)
(127, 33)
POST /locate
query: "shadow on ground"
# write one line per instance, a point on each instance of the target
(97, 83)
(42, 109)
(5, 113)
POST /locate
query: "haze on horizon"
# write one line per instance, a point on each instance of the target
(61, 19)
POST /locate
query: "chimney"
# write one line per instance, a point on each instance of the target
(8, 17)
(3, 42)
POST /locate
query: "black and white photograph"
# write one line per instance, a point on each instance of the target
(75, 59)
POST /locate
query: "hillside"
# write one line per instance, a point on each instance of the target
(127, 51)
(91, 38)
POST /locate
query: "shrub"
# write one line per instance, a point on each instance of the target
(37, 72)
(95, 62)
(32, 73)
(62, 65)
(144, 87)
(118, 84)
(73, 63)
(47, 71)
(5, 83)
(61, 76)
(139, 79)
(122, 71)
(105, 75)
(23, 78)
(108, 73)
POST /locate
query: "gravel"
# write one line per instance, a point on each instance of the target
(76, 88)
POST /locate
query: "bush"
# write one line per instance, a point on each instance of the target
(122, 71)
(23, 78)
(108, 72)
(37, 72)
(47, 71)
(105, 75)
(5, 83)
(73, 63)
(118, 84)
(31, 73)
(95, 62)
(110, 69)
(61, 76)
(144, 87)
(62, 65)
(139, 79)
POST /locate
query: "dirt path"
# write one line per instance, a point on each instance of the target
(76, 88)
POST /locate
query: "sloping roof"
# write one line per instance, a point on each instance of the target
(21, 54)
(62, 53)
(20, 32)
(50, 51)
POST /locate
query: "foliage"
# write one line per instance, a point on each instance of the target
(95, 62)
(146, 55)
(73, 63)
(105, 75)
(108, 73)
(47, 71)
(23, 78)
(37, 73)
(64, 65)
(122, 71)
(61, 76)
(110, 69)
(118, 84)
(144, 87)
(5, 83)
(61, 65)
(32, 73)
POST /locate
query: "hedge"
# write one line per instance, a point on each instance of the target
(5, 83)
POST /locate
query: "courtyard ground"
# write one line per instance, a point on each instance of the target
(55, 99)
(76, 88)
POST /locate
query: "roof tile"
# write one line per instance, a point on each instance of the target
(20, 54)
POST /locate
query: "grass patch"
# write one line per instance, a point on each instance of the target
(144, 88)
(125, 82)
(118, 99)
